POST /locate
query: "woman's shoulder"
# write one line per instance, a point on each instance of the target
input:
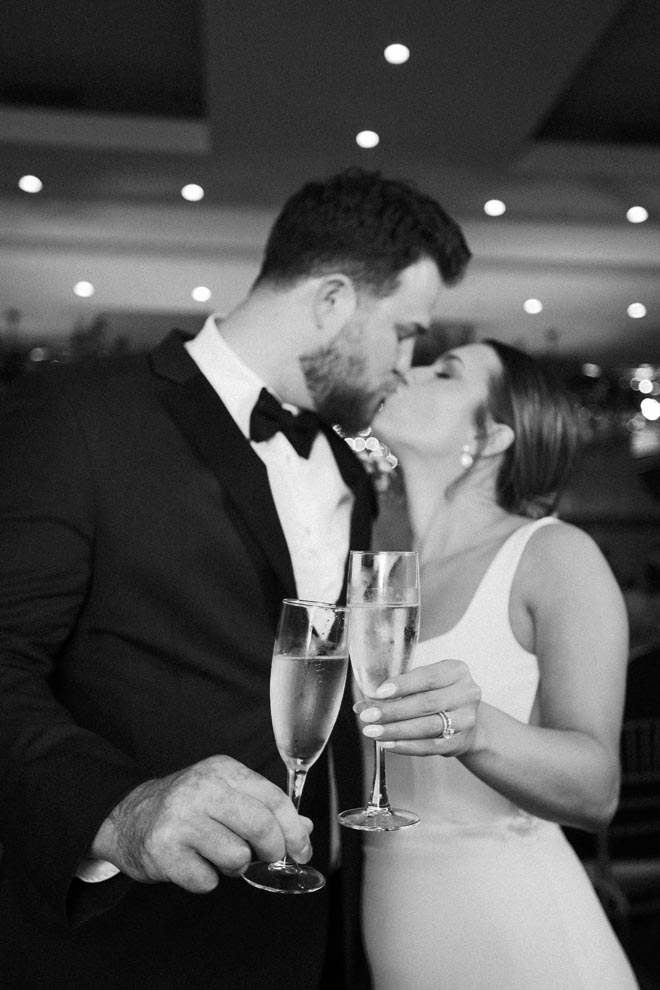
(558, 540)
(561, 560)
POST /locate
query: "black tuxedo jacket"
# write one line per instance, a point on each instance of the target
(141, 574)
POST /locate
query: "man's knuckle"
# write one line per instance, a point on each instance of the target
(199, 881)
(261, 825)
(236, 859)
(279, 802)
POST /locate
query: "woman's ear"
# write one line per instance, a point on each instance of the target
(335, 301)
(499, 438)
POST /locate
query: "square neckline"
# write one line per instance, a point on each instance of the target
(532, 525)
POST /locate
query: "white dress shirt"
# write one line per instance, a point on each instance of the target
(312, 500)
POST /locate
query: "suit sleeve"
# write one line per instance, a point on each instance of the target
(58, 780)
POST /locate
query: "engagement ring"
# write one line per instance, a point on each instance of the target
(448, 729)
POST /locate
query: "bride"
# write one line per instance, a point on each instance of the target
(486, 893)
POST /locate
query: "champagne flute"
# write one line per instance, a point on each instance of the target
(307, 679)
(383, 595)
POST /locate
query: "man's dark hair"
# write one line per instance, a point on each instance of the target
(365, 226)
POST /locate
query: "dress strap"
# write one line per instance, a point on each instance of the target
(498, 579)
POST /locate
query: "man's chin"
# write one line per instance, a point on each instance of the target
(349, 417)
(362, 421)
(351, 427)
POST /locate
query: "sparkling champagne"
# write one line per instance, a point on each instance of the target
(383, 598)
(305, 695)
(381, 642)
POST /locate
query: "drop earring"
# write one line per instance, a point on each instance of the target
(467, 460)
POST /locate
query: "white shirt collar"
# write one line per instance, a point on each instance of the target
(236, 384)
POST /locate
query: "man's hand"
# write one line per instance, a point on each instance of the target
(207, 819)
(405, 719)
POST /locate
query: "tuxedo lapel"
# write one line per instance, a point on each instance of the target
(206, 424)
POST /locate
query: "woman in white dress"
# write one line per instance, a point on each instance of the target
(523, 650)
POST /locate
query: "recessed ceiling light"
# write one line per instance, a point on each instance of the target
(637, 214)
(636, 310)
(201, 294)
(367, 139)
(84, 289)
(30, 184)
(533, 306)
(192, 192)
(396, 54)
(494, 207)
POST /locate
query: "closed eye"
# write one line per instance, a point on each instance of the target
(450, 368)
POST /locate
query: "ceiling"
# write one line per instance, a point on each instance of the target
(552, 108)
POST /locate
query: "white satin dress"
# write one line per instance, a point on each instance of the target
(481, 895)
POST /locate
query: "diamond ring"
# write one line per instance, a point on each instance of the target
(448, 729)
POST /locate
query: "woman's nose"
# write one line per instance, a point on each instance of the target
(404, 356)
(420, 373)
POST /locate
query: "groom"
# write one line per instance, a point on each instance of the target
(154, 511)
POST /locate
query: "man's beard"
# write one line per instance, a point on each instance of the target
(336, 383)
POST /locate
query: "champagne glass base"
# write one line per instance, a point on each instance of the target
(378, 820)
(288, 878)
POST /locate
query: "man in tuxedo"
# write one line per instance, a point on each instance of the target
(154, 511)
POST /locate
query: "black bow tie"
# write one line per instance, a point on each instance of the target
(268, 416)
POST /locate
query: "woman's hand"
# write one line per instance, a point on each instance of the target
(405, 715)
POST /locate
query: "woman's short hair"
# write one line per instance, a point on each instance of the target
(528, 397)
(368, 227)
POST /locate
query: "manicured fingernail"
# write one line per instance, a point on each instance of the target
(370, 715)
(386, 690)
(387, 745)
(372, 731)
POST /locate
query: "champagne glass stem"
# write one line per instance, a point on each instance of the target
(379, 800)
(295, 783)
